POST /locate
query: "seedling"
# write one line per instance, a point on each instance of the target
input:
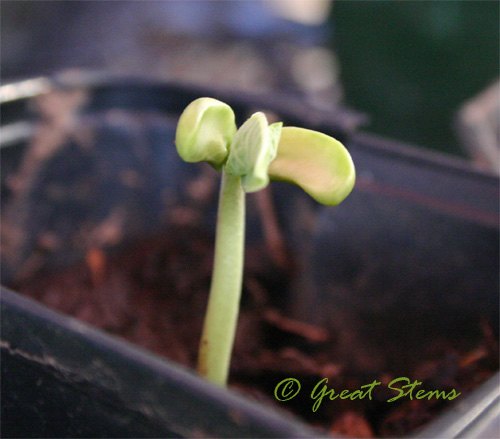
(249, 157)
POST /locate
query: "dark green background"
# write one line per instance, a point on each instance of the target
(410, 65)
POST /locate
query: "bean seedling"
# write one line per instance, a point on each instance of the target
(249, 157)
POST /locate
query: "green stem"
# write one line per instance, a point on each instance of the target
(224, 301)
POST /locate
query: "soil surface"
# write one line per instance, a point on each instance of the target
(154, 292)
(88, 187)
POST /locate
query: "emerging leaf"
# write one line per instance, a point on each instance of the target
(317, 163)
(254, 147)
(204, 132)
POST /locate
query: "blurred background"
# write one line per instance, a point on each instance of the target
(425, 73)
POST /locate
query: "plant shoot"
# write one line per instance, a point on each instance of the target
(249, 158)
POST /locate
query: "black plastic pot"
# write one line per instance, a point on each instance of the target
(415, 246)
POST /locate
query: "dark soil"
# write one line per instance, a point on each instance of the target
(88, 187)
(154, 292)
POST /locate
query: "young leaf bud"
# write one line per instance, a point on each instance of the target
(317, 163)
(253, 148)
(204, 132)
